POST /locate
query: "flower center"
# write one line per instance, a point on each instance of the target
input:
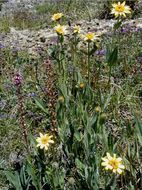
(120, 8)
(57, 17)
(90, 36)
(44, 140)
(114, 164)
(60, 31)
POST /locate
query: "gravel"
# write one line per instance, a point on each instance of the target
(12, 6)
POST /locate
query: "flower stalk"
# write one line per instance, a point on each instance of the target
(21, 109)
(88, 63)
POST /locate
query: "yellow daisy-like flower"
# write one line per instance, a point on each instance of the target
(44, 141)
(57, 16)
(89, 37)
(76, 29)
(120, 9)
(61, 30)
(113, 163)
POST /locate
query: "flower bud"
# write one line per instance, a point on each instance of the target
(18, 79)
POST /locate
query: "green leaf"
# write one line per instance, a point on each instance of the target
(139, 130)
(112, 56)
(14, 179)
(111, 183)
(77, 135)
(131, 187)
(92, 51)
(61, 38)
(31, 172)
(79, 164)
(39, 103)
(25, 180)
(117, 25)
(92, 120)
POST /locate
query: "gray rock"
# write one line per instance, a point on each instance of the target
(32, 41)
(13, 6)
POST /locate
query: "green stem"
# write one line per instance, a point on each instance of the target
(89, 63)
(58, 45)
(75, 50)
(63, 62)
(110, 68)
(99, 71)
(73, 82)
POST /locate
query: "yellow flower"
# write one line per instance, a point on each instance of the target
(76, 29)
(44, 141)
(57, 16)
(61, 30)
(120, 9)
(113, 163)
(89, 37)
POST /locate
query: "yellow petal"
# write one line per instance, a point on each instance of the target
(116, 14)
(104, 164)
(114, 170)
(121, 166)
(46, 147)
(119, 159)
(51, 141)
(50, 136)
(119, 171)
(109, 167)
(41, 135)
(41, 146)
(108, 156)
(105, 159)
(114, 155)
(124, 14)
(114, 5)
(124, 3)
(38, 139)
(106, 168)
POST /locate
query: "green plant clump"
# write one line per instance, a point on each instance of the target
(71, 118)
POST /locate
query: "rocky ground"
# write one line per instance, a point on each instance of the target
(32, 41)
(9, 6)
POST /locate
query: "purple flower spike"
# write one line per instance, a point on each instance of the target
(125, 30)
(138, 29)
(18, 79)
